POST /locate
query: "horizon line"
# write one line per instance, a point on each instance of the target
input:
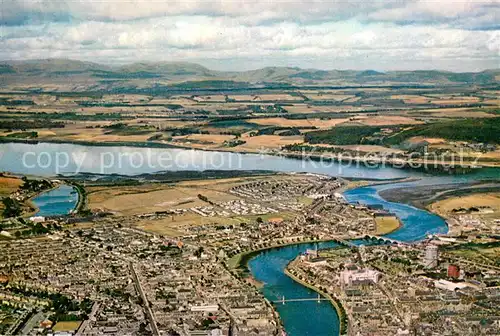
(117, 65)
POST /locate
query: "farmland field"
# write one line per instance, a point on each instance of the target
(233, 115)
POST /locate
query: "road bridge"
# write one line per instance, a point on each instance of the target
(385, 239)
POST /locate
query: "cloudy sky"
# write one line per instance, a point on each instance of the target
(247, 34)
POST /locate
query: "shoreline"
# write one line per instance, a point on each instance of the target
(81, 202)
(426, 195)
(400, 225)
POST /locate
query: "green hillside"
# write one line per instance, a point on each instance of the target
(485, 130)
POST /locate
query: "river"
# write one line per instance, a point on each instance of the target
(300, 318)
(320, 319)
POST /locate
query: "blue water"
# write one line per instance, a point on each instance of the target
(417, 223)
(299, 318)
(49, 159)
(59, 201)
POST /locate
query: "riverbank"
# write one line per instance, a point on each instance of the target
(21, 190)
(387, 225)
(82, 197)
(240, 261)
(422, 196)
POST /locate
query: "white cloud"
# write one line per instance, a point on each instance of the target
(252, 12)
(356, 34)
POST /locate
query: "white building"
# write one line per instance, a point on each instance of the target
(354, 277)
(448, 285)
(37, 219)
(431, 256)
(208, 308)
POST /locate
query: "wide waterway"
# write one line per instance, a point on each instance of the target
(299, 318)
(49, 159)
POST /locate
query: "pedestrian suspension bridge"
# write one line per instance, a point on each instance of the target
(285, 300)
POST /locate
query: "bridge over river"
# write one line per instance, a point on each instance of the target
(284, 300)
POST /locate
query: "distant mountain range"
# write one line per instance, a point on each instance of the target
(36, 73)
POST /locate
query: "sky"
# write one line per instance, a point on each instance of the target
(248, 34)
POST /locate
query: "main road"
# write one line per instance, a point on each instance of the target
(149, 312)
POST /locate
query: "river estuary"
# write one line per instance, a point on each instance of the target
(299, 318)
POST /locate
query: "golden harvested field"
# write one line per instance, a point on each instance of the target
(386, 224)
(173, 225)
(371, 89)
(456, 100)
(305, 108)
(133, 98)
(432, 141)
(458, 112)
(445, 207)
(494, 102)
(211, 98)
(96, 135)
(494, 93)
(66, 326)
(156, 197)
(490, 155)
(278, 96)
(327, 96)
(150, 198)
(412, 99)
(352, 100)
(389, 120)
(245, 97)
(173, 100)
(371, 149)
(227, 183)
(258, 143)
(211, 140)
(45, 133)
(8, 185)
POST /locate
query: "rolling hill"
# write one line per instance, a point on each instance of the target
(37, 73)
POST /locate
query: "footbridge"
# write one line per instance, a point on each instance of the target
(285, 300)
